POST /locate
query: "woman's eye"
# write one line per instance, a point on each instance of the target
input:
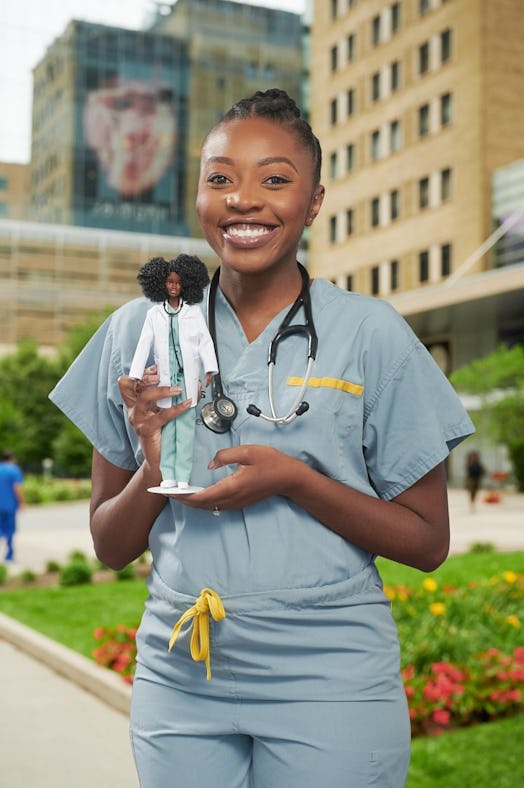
(276, 180)
(217, 179)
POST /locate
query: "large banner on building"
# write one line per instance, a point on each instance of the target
(131, 99)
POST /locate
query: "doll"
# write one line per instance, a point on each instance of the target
(177, 333)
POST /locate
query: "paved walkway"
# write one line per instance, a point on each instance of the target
(64, 719)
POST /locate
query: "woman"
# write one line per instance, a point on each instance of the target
(176, 329)
(305, 685)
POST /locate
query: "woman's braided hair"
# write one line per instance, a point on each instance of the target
(276, 105)
(191, 270)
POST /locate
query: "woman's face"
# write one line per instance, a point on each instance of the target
(256, 193)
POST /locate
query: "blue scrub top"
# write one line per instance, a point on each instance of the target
(381, 415)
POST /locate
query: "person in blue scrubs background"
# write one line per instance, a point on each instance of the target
(11, 498)
(268, 575)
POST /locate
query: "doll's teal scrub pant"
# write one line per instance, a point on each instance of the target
(186, 740)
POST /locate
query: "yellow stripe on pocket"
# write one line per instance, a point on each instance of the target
(330, 383)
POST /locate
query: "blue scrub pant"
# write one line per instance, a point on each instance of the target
(7, 531)
(186, 740)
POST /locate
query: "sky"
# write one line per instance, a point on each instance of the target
(28, 27)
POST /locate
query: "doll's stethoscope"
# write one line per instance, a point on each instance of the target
(219, 414)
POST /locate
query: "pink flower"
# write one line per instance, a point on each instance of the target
(441, 716)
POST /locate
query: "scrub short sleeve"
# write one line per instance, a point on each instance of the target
(413, 418)
(88, 393)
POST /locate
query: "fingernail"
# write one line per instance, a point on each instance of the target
(212, 465)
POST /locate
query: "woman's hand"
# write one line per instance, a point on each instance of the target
(146, 418)
(261, 471)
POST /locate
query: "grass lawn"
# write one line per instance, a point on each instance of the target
(482, 756)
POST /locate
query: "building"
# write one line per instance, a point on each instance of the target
(13, 189)
(418, 103)
(55, 276)
(119, 115)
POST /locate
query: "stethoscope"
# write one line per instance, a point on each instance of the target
(219, 414)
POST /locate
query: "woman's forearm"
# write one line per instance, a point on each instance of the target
(413, 529)
(122, 511)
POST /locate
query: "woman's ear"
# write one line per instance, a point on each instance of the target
(316, 202)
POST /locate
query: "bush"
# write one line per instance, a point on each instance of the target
(76, 573)
(3, 574)
(117, 649)
(126, 573)
(52, 567)
(28, 576)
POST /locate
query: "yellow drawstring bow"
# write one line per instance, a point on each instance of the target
(207, 602)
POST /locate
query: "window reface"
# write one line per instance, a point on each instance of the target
(445, 259)
(334, 9)
(375, 30)
(375, 86)
(446, 109)
(423, 120)
(395, 76)
(333, 166)
(423, 266)
(349, 282)
(423, 6)
(350, 221)
(350, 157)
(334, 111)
(334, 58)
(394, 204)
(395, 17)
(350, 98)
(375, 212)
(332, 229)
(375, 145)
(350, 47)
(395, 136)
(445, 185)
(393, 275)
(375, 280)
(423, 193)
(423, 58)
(446, 45)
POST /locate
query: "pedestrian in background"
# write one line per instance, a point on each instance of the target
(474, 473)
(11, 498)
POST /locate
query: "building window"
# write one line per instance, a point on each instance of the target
(423, 6)
(393, 275)
(375, 145)
(334, 9)
(375, 30)
(394, 204)
(395, 76)
(375, 211)
(423, 193)
(350, 221)
(446, 109)
(395, 17)
(395, 136)
(349, 282)
(423, 120)
(423, 58)
(375, 86)
(445, 260)
(350, 157)
(334, 111)
(334, 58)
(332, 229)
(350, 100)
(375, 280)
(445, 185)
(333, 166)
(423, 266)
(350, 47)
(446, 45)
(4, 183)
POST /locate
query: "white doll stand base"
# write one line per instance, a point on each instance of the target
(172, 492)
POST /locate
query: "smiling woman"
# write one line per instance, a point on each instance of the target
(268, 574)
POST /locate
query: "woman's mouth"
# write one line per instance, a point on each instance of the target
(245, 234)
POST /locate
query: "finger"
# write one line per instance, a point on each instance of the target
(128, 390)
(236, 455)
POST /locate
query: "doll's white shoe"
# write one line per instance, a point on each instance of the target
(183, 485)
(168, 483)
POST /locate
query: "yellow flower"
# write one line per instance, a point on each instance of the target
(513, 621)
(509, 576)
(437, 608)
(389, 592)
(430, 584)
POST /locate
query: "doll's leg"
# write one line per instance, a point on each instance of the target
(167, 451)
(184, 440)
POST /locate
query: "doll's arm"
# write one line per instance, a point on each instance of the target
(143, 349)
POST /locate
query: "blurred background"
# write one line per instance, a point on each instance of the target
(418, 107)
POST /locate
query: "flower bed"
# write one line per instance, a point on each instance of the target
(462, 650)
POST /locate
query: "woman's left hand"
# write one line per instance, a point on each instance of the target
(261, 471)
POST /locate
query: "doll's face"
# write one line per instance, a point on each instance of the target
(173, 287)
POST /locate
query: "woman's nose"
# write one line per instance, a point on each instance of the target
(242, 200)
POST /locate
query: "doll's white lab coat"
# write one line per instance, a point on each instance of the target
(195, 343)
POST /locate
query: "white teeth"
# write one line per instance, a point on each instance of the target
(246, 231)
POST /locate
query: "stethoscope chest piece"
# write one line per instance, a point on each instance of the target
(219, 414)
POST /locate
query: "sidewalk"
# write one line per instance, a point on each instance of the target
(64, 719)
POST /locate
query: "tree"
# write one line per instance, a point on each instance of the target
(498, 381)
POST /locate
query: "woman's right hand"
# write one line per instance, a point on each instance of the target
(146, 418)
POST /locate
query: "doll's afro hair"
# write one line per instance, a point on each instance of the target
(191, 270)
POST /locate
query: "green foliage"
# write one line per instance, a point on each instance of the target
(28, 576)
(126, 573)
(53, 567)
(43, 489)
(3, 574)
(72, 451)
(498, 379)
(75, 573)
